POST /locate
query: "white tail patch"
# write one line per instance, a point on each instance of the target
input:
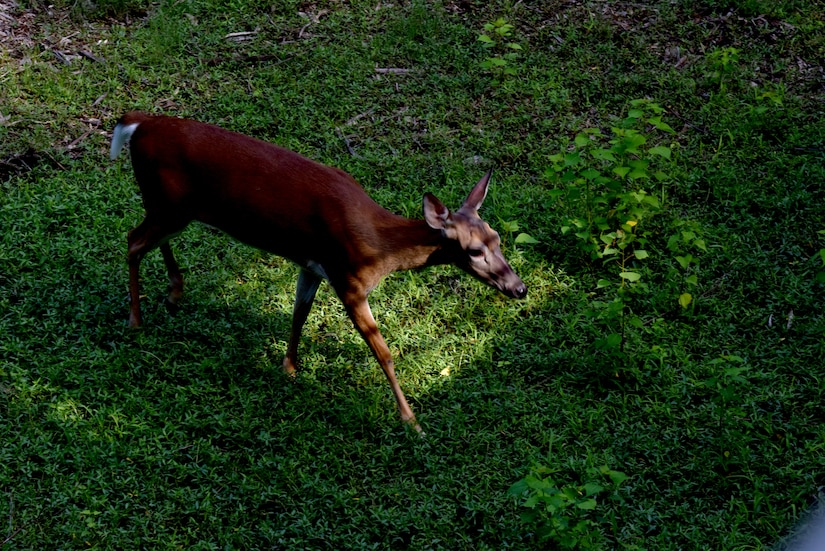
(120, 136)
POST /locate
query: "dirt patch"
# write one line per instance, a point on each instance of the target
(51, 37)
(25, 162)
(17, 26)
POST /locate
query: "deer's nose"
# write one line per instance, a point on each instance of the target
(520, 291)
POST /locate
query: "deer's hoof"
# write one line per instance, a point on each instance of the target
(289, 367)
(172, 307)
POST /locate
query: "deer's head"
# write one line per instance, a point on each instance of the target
(479, 246)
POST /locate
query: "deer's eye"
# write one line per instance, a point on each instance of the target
(475, 253)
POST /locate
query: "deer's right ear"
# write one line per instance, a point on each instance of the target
(435, 213)
(478, 193)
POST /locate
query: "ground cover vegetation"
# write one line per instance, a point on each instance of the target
(658, 184)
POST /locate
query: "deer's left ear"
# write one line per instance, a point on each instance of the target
(435, 213)
(477, 195)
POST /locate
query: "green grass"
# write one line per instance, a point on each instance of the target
(185, 434)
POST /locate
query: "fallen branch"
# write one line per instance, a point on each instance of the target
(391, 71)
(348, 144)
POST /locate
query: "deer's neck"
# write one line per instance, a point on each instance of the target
(410, 244)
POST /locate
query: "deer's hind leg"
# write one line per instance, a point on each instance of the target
(150, 234)
(308, 283)
(175, 279)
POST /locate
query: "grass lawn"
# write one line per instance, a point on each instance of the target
(659, 185)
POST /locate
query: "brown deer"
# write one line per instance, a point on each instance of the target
(317, 216)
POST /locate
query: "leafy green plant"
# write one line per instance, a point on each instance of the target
(722, 63)
(610, 188)
(566, 513)
(496, 38)
(686, 243)
(727, 384)
(602, 182)
(727, 381)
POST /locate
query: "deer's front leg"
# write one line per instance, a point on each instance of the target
(361, 316)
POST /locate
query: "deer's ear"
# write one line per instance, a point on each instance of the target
(435, 213)
(478, 193)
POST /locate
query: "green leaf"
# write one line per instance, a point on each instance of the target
(630, 276)
(486, 39)
(820, 277)
(658, 123)
(630, 143)
(509, 227)
(635, 114)
(572, 159)
(692, 280)
(569, 176)
(581, 139)
(587, 504)
(621, 171)
(531, 501)
(591, 173)
(555, 502)
(641, 254)
(602, 283)
(660, 150)
(524, 238)
(636, 322)
(617, 477)
(518, 488)
(592, 488)
(684, 261)
(537, 483)
(603, 155)
(685, 299)
(651, 200)
(502, 27)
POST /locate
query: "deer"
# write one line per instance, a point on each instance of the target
(317, 216)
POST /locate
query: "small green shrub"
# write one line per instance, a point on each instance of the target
(721, 63)
(600, 185)
(503, 53)
(686, 244)
(566, 514)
